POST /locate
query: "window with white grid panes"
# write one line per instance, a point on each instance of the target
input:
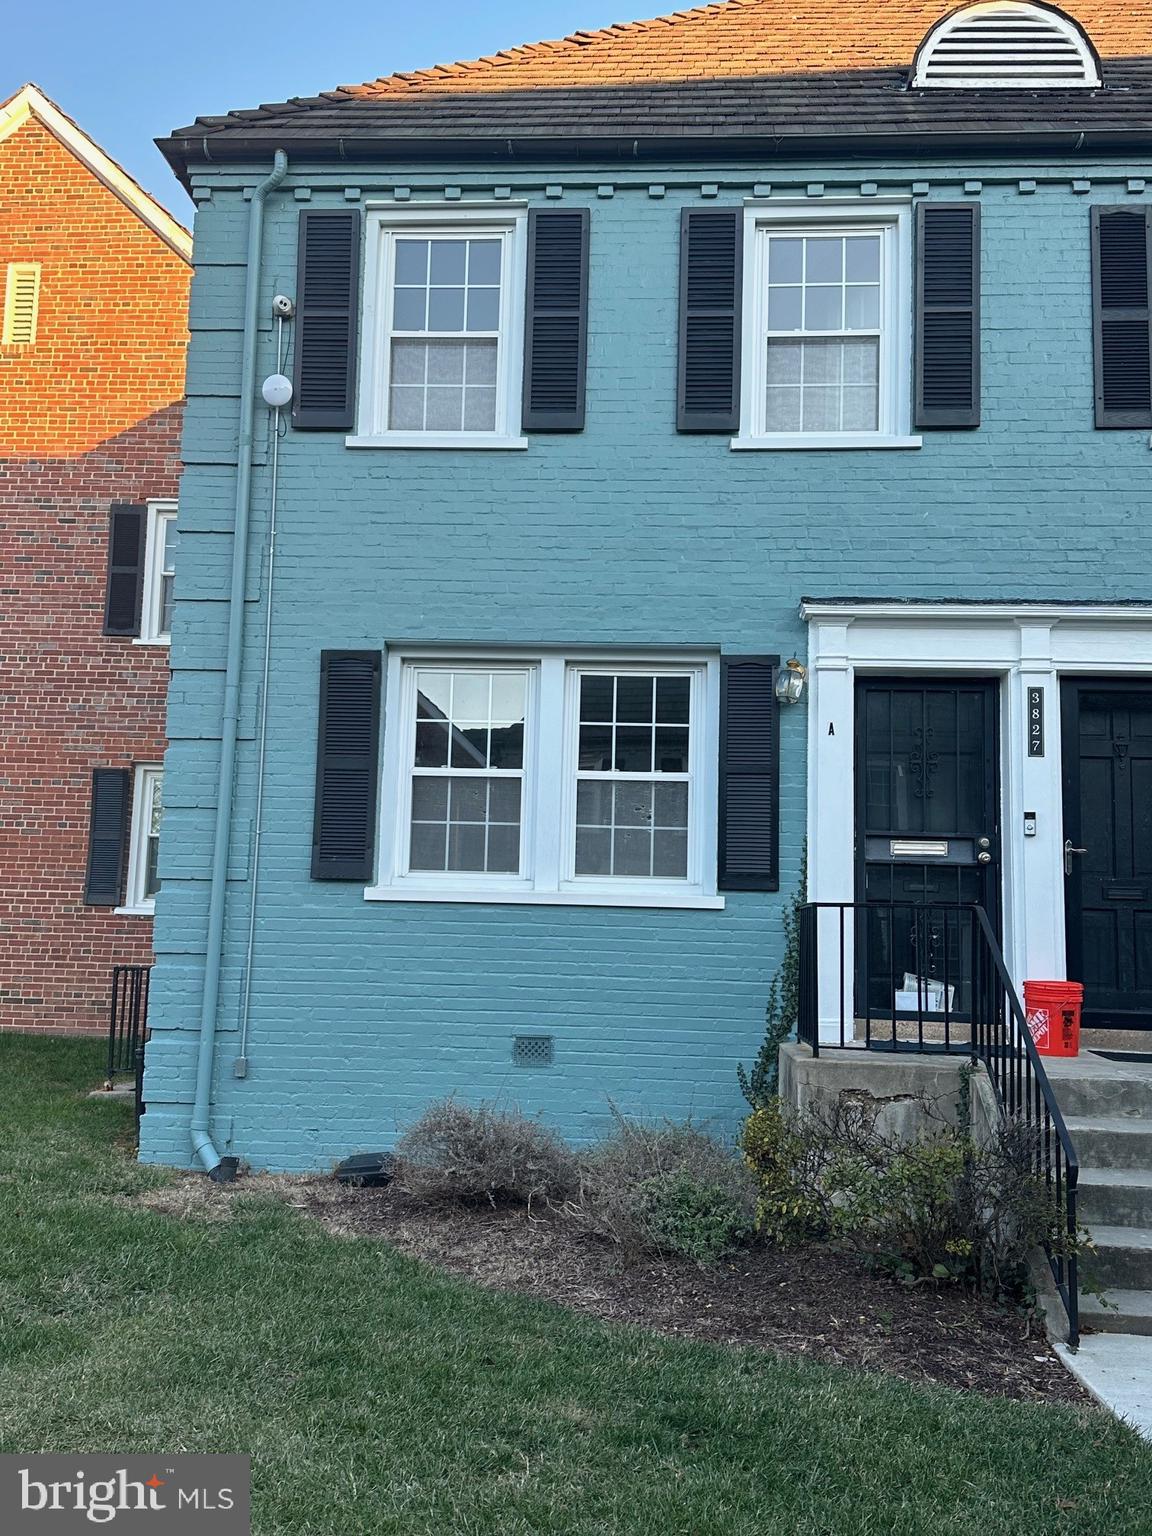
(467, 770)
(822, 369)
(633, 775)
(445, 308)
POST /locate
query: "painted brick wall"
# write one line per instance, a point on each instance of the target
(89, 415)
(624, 534)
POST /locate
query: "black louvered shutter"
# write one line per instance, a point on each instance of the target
(124, 595)
(344, 830)
(749, 774)
(948, 315)
(327, 294)
(107, 837)
(556, 323)
(1121, 337)
(708, 385)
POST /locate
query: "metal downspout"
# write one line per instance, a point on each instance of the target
(202, 1143)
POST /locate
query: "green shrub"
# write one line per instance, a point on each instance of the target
(682, 1216)
(468, 1154)
(939, 1206)
(664, 1188)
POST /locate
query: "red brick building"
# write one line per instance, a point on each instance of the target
(94, 280)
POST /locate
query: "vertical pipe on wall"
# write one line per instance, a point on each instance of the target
(202, 1143)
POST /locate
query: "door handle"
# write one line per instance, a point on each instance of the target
(1069, 851)
(983, 858)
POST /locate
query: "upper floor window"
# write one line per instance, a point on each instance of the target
(21, 303)
(162, 543)
(444, 330)
(1006, 45)
(827, 336)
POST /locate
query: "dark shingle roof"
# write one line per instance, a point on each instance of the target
(766, 77)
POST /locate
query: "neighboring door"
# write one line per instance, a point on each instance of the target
(927, 840)
(1107, 731)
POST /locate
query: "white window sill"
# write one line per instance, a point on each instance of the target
(467, 440)
(680, 900)
(147, 910)
(163, 641)
(810, 440)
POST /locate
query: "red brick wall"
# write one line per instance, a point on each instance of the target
(89, 415)
(71, 699)
(112, 331)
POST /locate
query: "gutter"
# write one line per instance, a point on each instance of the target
(217, 1168)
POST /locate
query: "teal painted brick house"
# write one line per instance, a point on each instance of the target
(622, 371)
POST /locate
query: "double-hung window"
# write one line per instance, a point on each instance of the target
(144, 839)
(444, 331)
(550, 779)
(828, 329)
(161, 546)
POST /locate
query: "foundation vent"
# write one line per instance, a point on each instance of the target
(533, 1050)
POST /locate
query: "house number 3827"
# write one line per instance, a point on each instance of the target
(1035, 722)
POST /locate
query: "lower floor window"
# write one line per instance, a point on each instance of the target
(144, 845)
(550, 774)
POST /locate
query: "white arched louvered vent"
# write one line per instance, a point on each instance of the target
(1006, 45)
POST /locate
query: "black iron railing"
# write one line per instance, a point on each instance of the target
(127, 1018)
(927, 978)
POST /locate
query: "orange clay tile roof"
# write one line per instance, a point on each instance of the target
(742, 38)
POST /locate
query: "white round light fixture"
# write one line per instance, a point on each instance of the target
(277, 390)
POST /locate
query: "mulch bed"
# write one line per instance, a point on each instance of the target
(810, 1302)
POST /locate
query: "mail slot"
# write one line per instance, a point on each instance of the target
(1125, 893)
(920, 850)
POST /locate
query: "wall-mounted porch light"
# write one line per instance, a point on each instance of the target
(790, 682)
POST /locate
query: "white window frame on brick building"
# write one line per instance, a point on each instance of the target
(159, 572)
(891, 222)
(506, 223)
(551, 775)
(143, 840)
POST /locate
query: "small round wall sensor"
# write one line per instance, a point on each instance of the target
(277, 390)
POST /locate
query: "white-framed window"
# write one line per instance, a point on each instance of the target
(548, 778)
(21, 303)
(160, 553)
(827, 337)
(443, 329)
(144, 839)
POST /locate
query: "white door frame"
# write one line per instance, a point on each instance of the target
(1025, 646)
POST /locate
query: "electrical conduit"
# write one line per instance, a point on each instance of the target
(202, 1143)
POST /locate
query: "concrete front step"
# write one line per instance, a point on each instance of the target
(1089, 1088)
(1121, 1311)
(1111, 1141)
(1115, 1197)
(1123, 1258)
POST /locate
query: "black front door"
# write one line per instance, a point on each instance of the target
(1108, 849)
(927, 839)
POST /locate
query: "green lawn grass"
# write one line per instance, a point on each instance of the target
(377, 1396)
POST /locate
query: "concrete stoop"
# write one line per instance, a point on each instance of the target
(1107, 1107)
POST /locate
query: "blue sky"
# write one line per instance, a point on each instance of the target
(130, 70)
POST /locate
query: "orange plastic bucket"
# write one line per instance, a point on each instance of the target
(1053, 1012)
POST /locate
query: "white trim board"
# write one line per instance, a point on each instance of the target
(30, 101)
(1023, 646)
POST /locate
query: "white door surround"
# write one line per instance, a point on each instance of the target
(1026, 646)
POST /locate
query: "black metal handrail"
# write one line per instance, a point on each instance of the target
(961, 1000)
(127, 1017)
